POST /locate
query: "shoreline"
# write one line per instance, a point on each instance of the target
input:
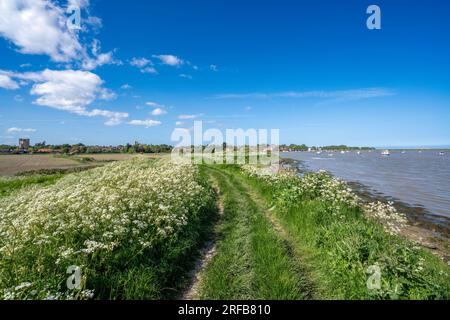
(430, 230)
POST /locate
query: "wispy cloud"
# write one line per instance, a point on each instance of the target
(18, 130)
(140, 62)
(149, 70)
(353, 94)
(99, 59)
(159, 112)
(7, 83)
(153, 104)
(145, 123)
(126, 86)
(169, 60)
(186, 76)
(189, 116)
(144, 65)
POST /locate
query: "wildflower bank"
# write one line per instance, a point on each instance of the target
(121, 223)
(332, 191)
(347, 239)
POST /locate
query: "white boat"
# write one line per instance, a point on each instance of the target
(442, 153)
(386, 153)
(403, 152)
(359, 152)
(342, 152)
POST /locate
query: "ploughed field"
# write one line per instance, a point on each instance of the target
(150, 229)
(14, 164)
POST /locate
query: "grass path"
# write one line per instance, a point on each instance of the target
(207, 252)
(253, 258)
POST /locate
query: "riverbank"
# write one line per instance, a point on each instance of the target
(429, 230)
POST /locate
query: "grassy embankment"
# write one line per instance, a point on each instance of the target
(135, 228)
(288, 238)
(132, 227)
(10, 185)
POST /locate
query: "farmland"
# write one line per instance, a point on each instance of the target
(11, 165)
(137, 228)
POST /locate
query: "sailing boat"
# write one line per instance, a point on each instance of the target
(386, 153)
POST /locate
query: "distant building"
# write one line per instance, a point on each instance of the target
(24, 144)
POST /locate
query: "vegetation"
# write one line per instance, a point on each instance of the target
(10, 185)
(43, 147)
(135, 228)
(129, 226)
(343, 240)
(56, 171)
(252, 261)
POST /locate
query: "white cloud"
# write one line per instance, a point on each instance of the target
(78, 3)
(337, 94)
(7, 83)
(189, 116)
(145, 65)
(146, 123)
(213, 67)
(179, 123)
(18, 130)
(159, 112)
(72, 91)
(186, 76)
(149, 70)
(107, 94)
(113, 118)
(140, 62)
(126, 86)
(169, 59)
(99, 59)
(153, 104)
(38, 27)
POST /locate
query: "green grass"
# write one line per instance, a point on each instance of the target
(341, 248)
(10, 185)
(107, 205)
(300, 248)
(252, 261)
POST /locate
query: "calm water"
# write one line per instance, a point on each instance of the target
(417, 179)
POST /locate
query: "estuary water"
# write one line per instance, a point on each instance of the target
(418, 179)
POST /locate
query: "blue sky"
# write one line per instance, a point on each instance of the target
(140, 69)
